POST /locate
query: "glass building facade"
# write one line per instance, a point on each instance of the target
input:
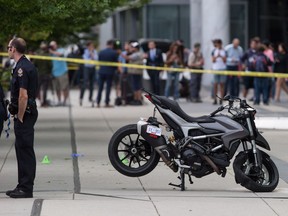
(163, 19)
(167, 19)
(264, 18)
(268, 19)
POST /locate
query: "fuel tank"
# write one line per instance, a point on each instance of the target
(232, 129)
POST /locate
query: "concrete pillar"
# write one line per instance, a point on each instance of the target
(105, 33)
(195, 22)
(215, 24)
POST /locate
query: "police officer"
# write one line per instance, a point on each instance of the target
(23, 107)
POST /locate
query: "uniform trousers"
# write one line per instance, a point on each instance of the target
(24, 146)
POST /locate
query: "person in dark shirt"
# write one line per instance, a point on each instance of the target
(261, 84)
(154, 58)
(281, 66)
(249, 60)
(24, 86)
(106, 73)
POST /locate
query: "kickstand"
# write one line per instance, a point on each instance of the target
(182, 178)
(190, 179)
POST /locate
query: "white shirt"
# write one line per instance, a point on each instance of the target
(219, 64)
(152, 54)
(233, 55)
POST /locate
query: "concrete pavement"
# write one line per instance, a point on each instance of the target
(89, 185)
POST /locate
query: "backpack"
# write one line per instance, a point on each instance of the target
(251, 59)
(261, 64)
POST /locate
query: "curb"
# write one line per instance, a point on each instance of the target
(274, 123)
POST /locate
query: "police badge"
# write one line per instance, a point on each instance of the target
(20, 72)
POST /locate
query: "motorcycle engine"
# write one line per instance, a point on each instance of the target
(191, 158)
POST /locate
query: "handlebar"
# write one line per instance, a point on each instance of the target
(231, 100)
(218, 110)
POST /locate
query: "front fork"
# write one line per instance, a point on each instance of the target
(252, 137)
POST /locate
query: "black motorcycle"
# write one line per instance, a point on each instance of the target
(196, 146)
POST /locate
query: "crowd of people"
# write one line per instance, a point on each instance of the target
(261, 56)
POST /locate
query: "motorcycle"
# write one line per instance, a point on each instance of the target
(197, 146)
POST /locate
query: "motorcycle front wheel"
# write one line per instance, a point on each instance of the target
(257, 180)
(130, 154)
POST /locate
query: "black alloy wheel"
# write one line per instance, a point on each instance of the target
(130, 154)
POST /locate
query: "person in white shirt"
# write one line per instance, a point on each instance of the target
(218, 63)
(89, 73)
(234, 53)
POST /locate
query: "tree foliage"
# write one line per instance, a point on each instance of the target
(46, 19)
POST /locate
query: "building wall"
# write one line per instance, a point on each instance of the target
(105, 33)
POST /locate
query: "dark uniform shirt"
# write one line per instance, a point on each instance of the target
(24, 76)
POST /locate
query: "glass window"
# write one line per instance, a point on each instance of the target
(184, 16)
(238, 22)
(168, 22)
(138, 19)
(162, 22)
(273, 20)
(130, 25)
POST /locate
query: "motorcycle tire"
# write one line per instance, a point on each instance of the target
(138, 157)
(265, 181)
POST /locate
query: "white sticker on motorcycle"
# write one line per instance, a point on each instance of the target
(154, 130)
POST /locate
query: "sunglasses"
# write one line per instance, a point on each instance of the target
(9, 47)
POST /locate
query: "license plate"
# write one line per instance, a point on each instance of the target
(154, 130)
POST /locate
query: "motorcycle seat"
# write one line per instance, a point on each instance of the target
(174, 107)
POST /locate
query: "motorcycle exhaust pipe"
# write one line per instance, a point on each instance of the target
(207, 159)
(159, 144)
(211, 163)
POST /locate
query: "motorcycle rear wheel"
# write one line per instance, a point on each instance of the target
(265, 180)
(130, 154)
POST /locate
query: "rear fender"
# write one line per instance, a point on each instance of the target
(153, 140)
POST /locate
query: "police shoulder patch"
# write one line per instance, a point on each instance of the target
(20, 72)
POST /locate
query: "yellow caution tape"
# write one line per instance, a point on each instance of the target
(117, 64)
